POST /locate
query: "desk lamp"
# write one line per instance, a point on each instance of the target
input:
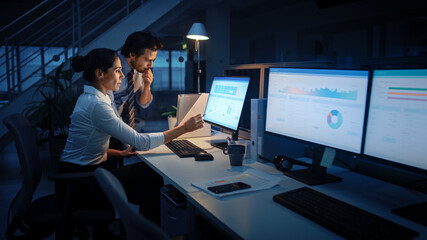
(198, 32)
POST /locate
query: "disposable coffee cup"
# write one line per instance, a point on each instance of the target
(236, 153)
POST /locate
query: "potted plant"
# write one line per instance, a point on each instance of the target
(171, 117)
(52, 114)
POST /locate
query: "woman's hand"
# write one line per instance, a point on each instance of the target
(193, 123)
(129, 151)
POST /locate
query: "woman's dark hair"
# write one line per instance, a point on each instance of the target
(137, 42)
(99, 58)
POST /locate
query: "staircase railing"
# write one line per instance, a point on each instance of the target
(60, 26)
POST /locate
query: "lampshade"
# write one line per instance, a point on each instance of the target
(198, 32)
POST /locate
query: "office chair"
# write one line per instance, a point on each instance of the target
(40, 218)
(136, 226)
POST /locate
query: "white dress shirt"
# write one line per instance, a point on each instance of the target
(93, 122)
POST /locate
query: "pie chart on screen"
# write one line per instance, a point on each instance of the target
(334, 119)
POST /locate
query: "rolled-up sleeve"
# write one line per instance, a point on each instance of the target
(156, 139)
(137, 97)
(139, 85)
(106, 120)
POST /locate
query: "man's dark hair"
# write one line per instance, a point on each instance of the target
(137, 42)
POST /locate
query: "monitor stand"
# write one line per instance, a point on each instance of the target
(308, 177)
(316, 174)
(416, 212)
(223, 145)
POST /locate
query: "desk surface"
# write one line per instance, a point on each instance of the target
(255, 215)
(181, 172)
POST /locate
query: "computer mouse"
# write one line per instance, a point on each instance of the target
(203, 156)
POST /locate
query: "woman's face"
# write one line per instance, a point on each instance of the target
(112, 78)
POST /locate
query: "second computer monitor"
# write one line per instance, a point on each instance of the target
(321, 106)
(397, 120)
(225, 102)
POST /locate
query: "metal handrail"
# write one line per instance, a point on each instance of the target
(39, 36)
(47, 26)
(29, 59)
(8, 58)
(94, 12)
(36, 71)
(99, 26)
(23, 15)
(36, 20)
(41, 30)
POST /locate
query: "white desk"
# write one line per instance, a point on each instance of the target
(181, 172)
(255, 215)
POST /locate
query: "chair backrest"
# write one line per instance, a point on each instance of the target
(26, 146)
(136, 226)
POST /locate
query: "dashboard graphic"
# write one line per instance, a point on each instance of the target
(318, 105)
(397, 129)
(322, 92)
(334, 119)
(225, 102)
(222, 89)
(407, 94)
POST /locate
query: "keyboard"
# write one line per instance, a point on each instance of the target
(342, 218)
(184, 148)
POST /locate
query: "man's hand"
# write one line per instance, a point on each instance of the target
(147, 77)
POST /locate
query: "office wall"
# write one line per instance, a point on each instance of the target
(300, 31)
(357, 34)
(218, 45)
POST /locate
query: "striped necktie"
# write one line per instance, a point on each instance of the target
(131, 99)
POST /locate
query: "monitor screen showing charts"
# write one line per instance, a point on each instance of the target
(397, 120)
(321, 106)
(225, 102)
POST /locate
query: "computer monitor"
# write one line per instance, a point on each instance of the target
(225, 102)
(396, 131)
(321, 107)
(397, 121)
(253, 92)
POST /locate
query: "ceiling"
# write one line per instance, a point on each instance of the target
(56, 24)
(170, 28)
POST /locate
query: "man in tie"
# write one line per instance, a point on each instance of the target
(137, 56)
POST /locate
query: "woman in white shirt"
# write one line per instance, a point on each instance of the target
(94, 121)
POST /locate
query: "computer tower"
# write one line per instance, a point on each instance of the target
(258, 114)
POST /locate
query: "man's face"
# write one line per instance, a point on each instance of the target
(144, 61)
